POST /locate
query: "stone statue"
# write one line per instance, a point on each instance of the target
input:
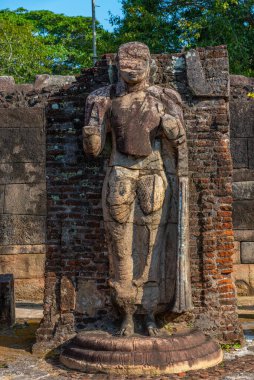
(145, 192)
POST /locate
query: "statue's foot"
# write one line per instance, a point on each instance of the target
(127, 327)
(151, 325)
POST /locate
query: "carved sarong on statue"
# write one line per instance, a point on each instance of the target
(145, 193)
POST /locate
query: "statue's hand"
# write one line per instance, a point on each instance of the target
(91, 140)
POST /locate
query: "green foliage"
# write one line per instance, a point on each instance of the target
(170, 25)
(228, 347)
(44, 42)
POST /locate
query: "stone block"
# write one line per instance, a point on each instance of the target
(236, 255)
(25, 199)
(22, 229)
(21, 249)
(7, 300)
(22, 172)
(7, 84)
(1, 198)
(22, 118)
(247, 252)
(244, 174)
(239, 151)
(25, 145)
(195, 75)
(89, 300)
(23, 266)
(243, 190)
(29, 289)
(244, 235)
(45, 80)
(68, 294)
(241, 80)
(251, 155)
(242, 118)
(243, 214)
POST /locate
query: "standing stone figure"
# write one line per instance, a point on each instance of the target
(145, 192)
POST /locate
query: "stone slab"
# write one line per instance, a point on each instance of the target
(21, 249)
(239, 151)
(237, 253)
(25, 199)
(22, 118)
(244, 235)
(247, 252)
(243, 214)
(245, 273)
(244, 174)
(22, 172)
(29, 289)
(23, 266)
(1, 198)
(243, 190)
(7, 300)
(242, 118)
(25, 145)
(251, 150)
(22, 229)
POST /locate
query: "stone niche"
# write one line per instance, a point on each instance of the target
(76, 287)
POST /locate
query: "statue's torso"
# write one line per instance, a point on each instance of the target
(135, 119)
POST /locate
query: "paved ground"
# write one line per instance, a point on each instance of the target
(17, 363)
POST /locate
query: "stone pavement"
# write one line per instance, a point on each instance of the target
(17, 363)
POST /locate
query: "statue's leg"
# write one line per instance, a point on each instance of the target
(118, 200)
(151, 193)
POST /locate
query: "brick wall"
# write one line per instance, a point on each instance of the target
(23, 183)
(76, 290)
(242, 148)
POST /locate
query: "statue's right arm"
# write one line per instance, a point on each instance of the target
(96, 121)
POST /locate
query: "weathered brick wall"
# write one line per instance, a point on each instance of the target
(242, 148)
(76, 292)
(23, 183)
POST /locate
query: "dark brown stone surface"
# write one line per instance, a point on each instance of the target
(22, 117)
(7, 300)
(241, 120)
(239, 149)
(243, 214)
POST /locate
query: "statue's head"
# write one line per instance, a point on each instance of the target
(133, 61)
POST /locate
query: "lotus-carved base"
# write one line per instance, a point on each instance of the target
(101, 352)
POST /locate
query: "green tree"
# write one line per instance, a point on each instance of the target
(44, 42)
(169, 25)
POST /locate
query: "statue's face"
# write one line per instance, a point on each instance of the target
(133, 69)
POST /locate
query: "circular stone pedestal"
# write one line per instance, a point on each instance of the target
(101, 352)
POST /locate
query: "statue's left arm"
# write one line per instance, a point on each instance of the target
(96, 121)
(173, 127)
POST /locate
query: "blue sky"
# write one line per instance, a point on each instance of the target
(69, 7)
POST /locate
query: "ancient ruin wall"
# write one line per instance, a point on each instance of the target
(23, 182)
(77, 293)
(242, 149)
